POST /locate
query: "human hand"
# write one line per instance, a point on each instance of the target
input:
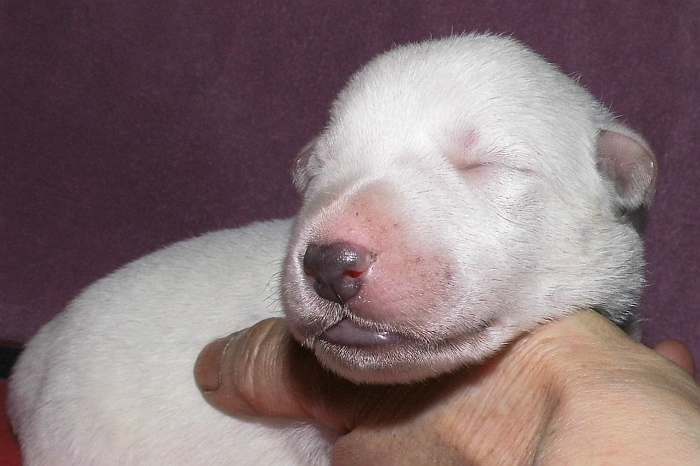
(576, 391)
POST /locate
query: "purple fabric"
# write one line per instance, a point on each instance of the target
(126, 125)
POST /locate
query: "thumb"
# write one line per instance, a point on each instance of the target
(262, 371)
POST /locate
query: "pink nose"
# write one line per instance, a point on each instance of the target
(338, 270)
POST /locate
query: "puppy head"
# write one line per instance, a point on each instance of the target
(463, 191)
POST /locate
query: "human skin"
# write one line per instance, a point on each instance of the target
(577, 392)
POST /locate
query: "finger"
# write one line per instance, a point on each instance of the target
(261, 371)
(677, 353)
(243, 374)
(207, 371)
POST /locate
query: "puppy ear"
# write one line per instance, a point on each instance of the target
(300, 165)
(625, 159)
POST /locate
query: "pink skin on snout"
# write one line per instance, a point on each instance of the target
(407, 274)
(399, 327)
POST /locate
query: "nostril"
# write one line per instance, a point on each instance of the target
(337, 269)
(353, 273)
(312, 260)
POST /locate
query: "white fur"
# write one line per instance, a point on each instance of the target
(467, 164)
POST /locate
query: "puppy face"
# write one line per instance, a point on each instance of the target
(463, 192)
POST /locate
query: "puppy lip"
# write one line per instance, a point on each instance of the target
(349, 334)
(400, 362)
(386, 343)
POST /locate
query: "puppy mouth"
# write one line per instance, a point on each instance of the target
(348, 337)
(349, 334)
(364, 354)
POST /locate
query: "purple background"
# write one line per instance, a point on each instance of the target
(126, 125)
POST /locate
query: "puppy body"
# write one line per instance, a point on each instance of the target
(489, 191)
(109, 381)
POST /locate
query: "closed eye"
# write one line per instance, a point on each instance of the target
(473, 165)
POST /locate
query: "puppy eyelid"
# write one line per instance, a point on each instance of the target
(473, 165)
(481, 165)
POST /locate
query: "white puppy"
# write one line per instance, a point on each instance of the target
(463, 192)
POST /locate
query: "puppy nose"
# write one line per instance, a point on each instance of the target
(338, 269)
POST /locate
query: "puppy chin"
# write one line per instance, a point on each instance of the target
(363, 366)
(404, 362)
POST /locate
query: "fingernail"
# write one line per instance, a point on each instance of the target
(207, 369)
